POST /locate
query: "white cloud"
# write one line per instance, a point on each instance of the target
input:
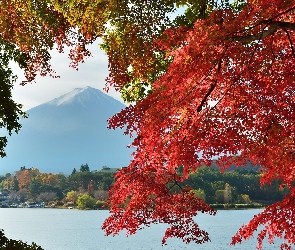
(91, 73)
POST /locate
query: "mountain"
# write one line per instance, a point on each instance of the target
(67, 132)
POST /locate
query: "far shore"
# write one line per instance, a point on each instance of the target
(237, 206)
(214, 206)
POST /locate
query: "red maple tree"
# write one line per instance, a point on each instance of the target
(228, 93)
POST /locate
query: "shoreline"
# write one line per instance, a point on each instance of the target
(237, 206)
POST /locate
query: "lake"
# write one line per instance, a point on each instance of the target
(65, 229)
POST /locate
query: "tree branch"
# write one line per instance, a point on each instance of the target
(273, 27)
(212, 87)
(291, 44)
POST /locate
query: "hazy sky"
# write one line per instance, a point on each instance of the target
(91, 73)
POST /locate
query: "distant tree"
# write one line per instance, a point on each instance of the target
(7, 184)
(101, 195)
(218, 185)
(80, 180)
(85, 201)
(2, 178)
(74, 171)
(203, 179)
(72, 196)
(90, 187)
(73, 182)
(24, 176)
(199, 193)
(62, 183)
(100, 204)
(84, 168)
(35, 187)
(106, 182)
(46, 196)
(22, 194)
(244, 199)
(13, 197)
(227, 194)
(85, 179)
(7, 175)
(49, 179)
(219, 196)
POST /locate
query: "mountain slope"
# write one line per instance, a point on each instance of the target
(69, 131)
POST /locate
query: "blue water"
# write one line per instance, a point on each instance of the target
(64, 229)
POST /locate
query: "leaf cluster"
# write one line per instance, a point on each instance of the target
(11, 244)
(10, 111)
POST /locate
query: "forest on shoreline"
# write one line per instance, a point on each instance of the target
(85, 189)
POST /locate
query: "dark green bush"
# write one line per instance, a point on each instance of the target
(9, 244)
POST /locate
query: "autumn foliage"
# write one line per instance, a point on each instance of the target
(35, 28)
(217, 82)
(227, 93)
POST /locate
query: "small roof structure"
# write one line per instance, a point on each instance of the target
(106, 169)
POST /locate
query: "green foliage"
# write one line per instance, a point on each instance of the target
(85, 201)
(218, 185)
(106, 181)
(241, 181)
(219, 196)
(72, 196)
(2, 178)
(84, 168)
(244, 199)
(201, 9)
(10, 111)
(99, 204)
(74, 171)
(9, 244)
(207, 183)
(34, 187)
(199, 193)
(7, 175)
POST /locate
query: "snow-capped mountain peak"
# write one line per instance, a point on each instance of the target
(66, 98)
(68, 131)
(85, 97)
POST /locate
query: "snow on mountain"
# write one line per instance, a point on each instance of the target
(84, 96)
(66, 98)
(69, 131)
